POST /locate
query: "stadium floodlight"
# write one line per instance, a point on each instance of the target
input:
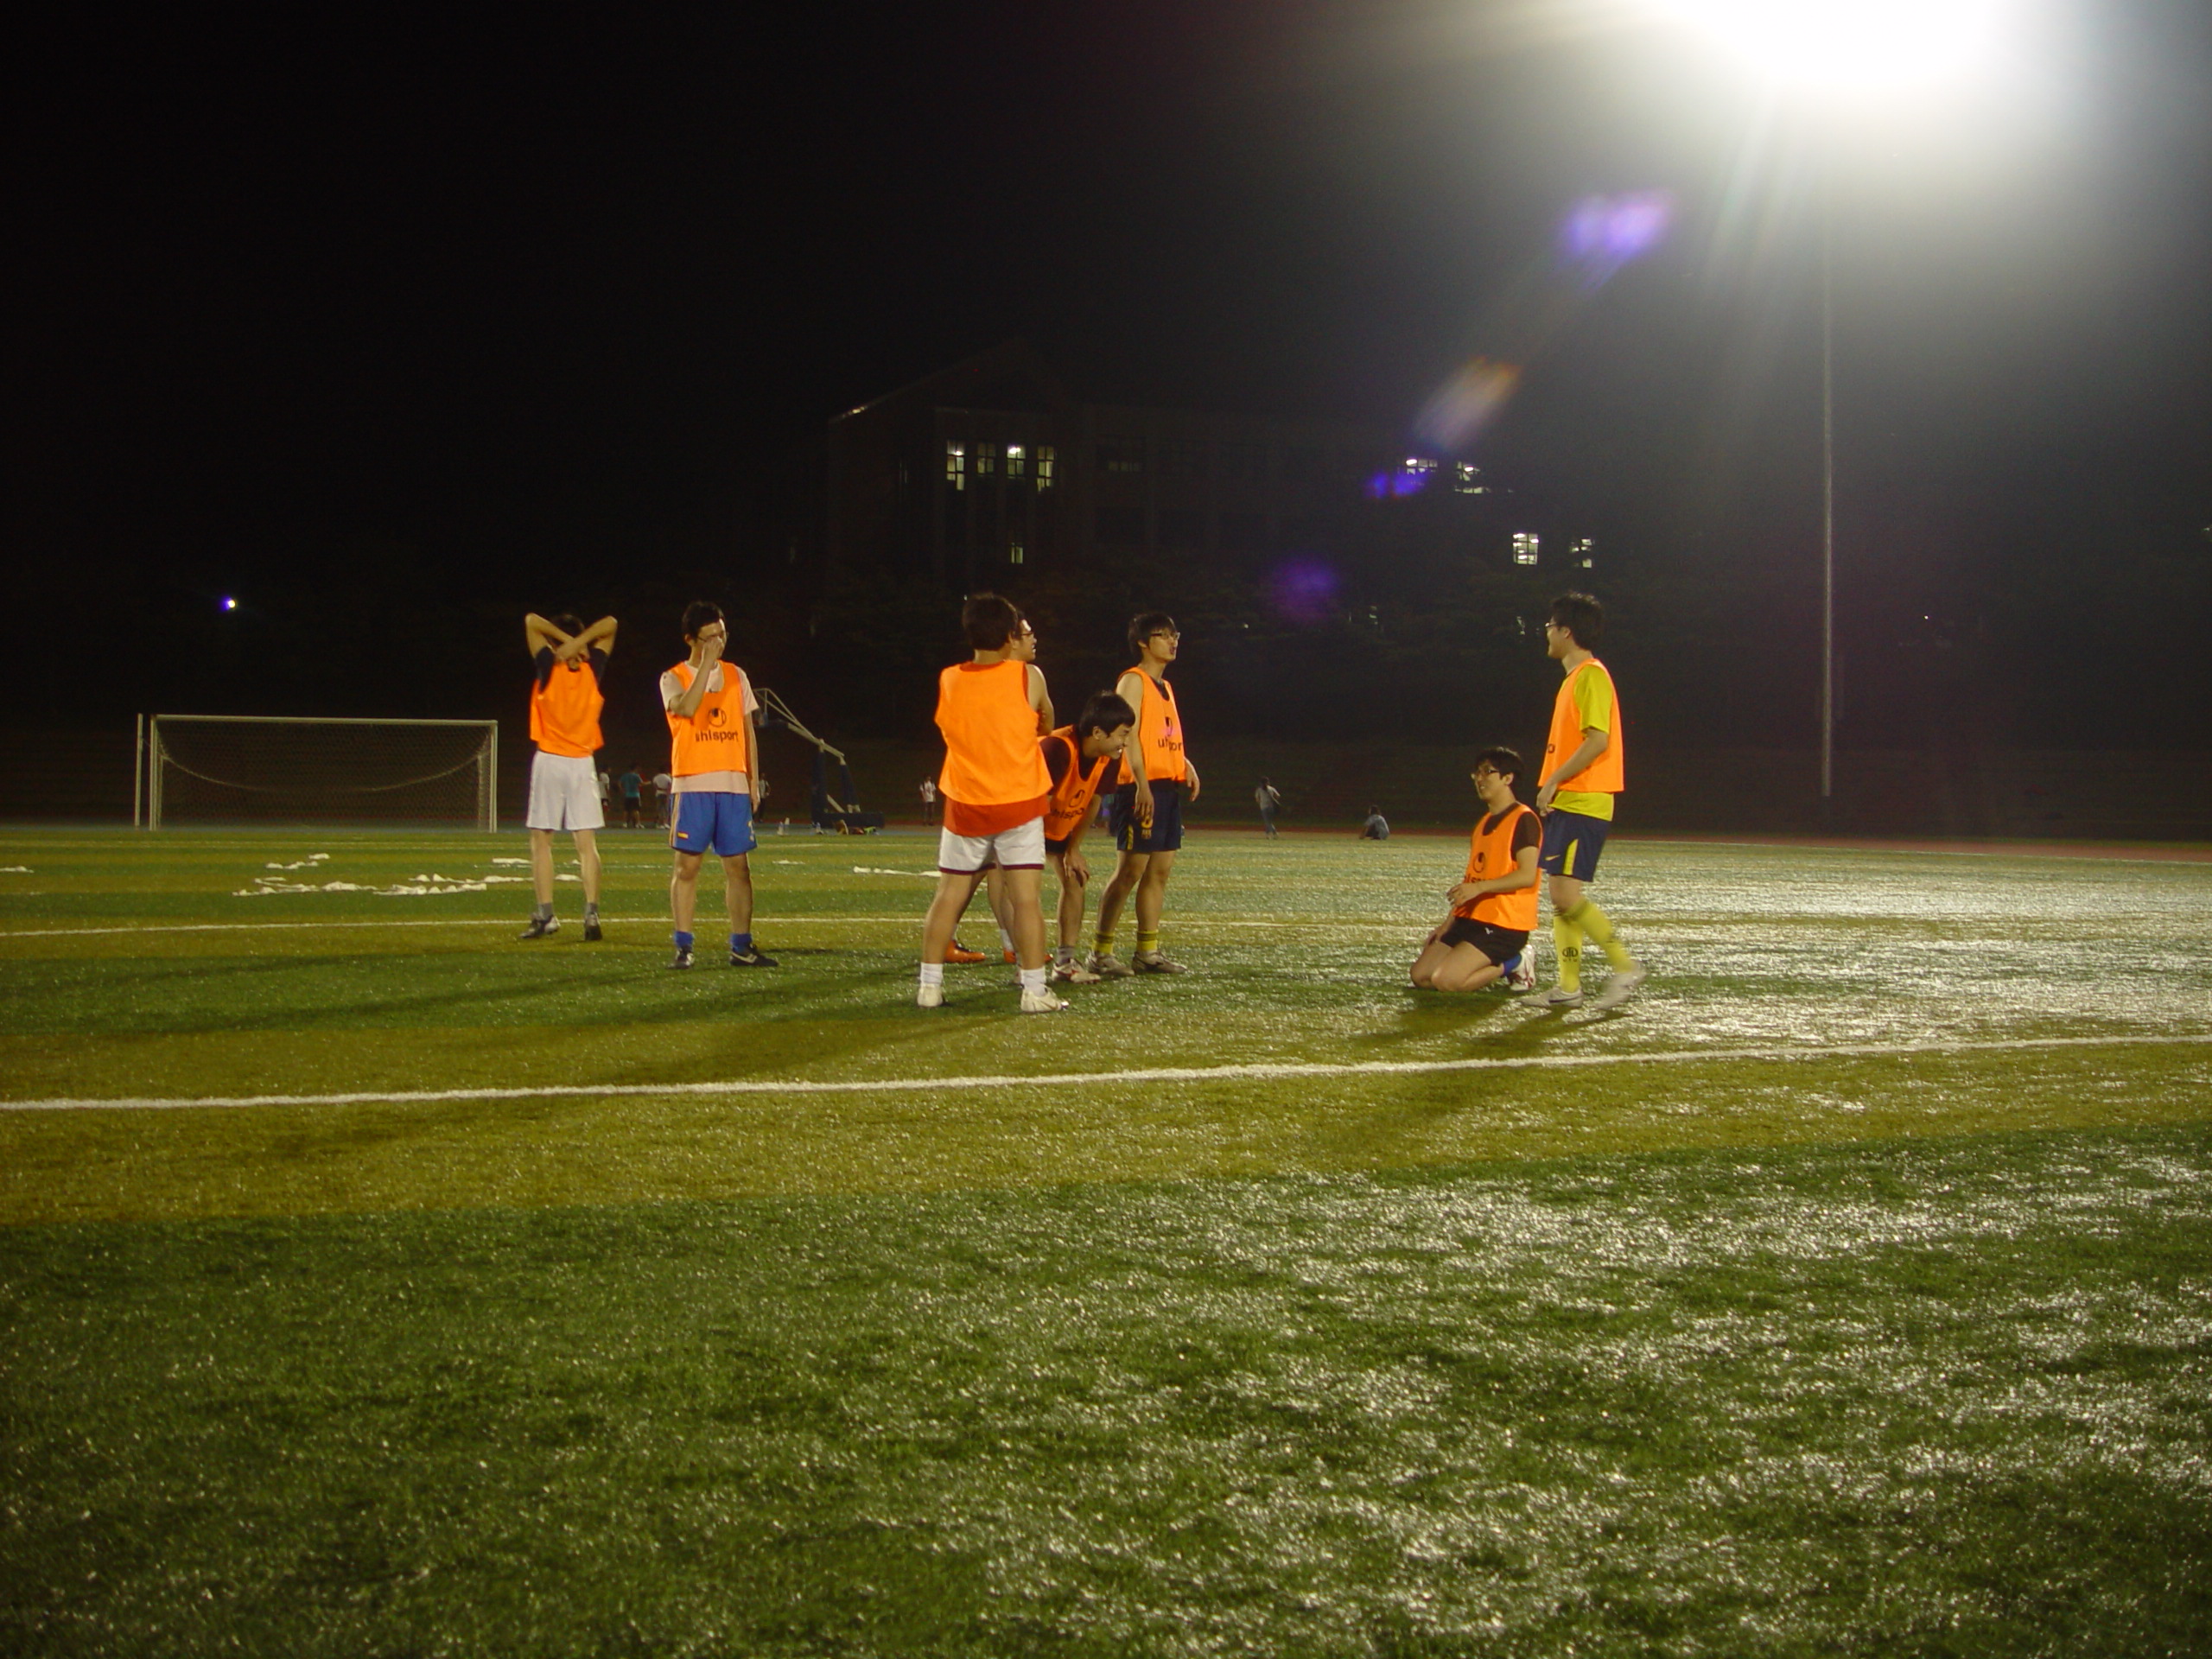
(277, 769)
(1850, 47)
(1830, 53)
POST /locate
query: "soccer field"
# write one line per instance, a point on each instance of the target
(373, 1282)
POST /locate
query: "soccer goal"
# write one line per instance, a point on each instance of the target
(287, 769)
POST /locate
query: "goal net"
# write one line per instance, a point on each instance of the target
(279, 769)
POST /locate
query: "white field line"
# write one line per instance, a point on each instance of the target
(910, 917)
(1261, 1071)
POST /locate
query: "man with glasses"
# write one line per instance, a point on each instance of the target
(1582, 772)
(1147, 814)
(1485, 939)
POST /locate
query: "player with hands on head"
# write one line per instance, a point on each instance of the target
(565, 789)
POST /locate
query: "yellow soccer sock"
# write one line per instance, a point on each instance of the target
(1599, 929)
(1147, 943)
(1566, 943)
(1102, 943)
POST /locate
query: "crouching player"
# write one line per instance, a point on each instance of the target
(1078, 758)
(1494, 907)
(996, 790)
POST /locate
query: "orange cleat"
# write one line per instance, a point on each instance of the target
(958, 952)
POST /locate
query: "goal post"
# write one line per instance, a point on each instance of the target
(300, 769)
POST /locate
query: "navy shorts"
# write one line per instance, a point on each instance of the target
(1500, 944)
(1572, 843)
(714, 820)
(1166, 833)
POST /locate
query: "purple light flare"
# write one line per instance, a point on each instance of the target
(1304, 590)
(1602, 233)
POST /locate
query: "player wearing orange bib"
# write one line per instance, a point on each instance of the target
(1583, 771)
(1079, 758)
(995, 789)
(1494, 905)
(564, 704)
(1146, 811)
(714, 772)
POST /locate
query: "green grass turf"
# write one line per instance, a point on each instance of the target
(1890, 1352)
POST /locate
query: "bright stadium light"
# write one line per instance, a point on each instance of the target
(1850, 45)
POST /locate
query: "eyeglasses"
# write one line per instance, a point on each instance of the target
(1481, 773)
(1166, 633)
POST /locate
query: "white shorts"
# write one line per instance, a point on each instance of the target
(1022, 848)
(563, 793)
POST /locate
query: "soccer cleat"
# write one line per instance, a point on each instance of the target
(1559, 997)
(1107, 965)
(1042, 1002)
(1519, 977)
(1009, 958)
(958, 952)
(1072, 972)
(540, 926)
(753, 957)
(682, 959)
(1155, 962)
(929, 997)
(591, 929)
(1621, 987)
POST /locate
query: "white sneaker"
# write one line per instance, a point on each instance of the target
(1072, 972)
(1042, 1002)
(1107, 965)
(1621, 987)
(1559, 997)
(930, 996)
(1156, 962)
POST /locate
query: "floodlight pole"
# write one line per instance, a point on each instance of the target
(1828, 495)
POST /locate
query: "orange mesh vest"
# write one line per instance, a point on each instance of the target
(1072, 794)
(1601, 776)
(717, 736)
(1160, 729)
(990, 735)
(564, 711)
(1489, 856)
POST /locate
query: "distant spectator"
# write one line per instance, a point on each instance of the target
(632, 787)
(663, 786)
(1269, 799)
(928, 800)
(1377, 828)
(605, 793)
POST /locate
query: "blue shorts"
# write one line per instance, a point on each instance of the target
(1166, 833)
(717, 820)
(1572, 843)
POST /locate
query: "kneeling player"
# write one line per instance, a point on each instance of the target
(1494, 906)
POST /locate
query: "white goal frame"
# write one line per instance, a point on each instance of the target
(152, 753)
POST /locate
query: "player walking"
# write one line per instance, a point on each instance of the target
(1269, 799)
(1147, 815)
(716, 775)
(564, 794)
(1494, 905)
(1582, 772)
(995, 789)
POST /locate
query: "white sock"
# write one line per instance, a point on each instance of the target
(1032, 979)
(1006, 940)
(932, 973)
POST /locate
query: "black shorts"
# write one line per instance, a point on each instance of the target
(1166, 833)
(1500, 944)
(1054, 849)
(1572, 843)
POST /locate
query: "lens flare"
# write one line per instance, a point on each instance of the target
(1305, 590)
(1602, 233)
(1464, 405)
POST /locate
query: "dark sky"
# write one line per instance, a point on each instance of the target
(541, 287)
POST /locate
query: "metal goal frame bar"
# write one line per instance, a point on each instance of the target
(148, 764)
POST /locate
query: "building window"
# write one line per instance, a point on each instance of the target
(1524, 548)
(1044, 465)
(1017, 463)
(1122, 455)
(1181, 458)
(1465, 480)
(1581, 553)
(955, 463)
(986, 460)
(1013, 553)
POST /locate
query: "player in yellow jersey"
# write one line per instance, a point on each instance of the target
(1583, 769)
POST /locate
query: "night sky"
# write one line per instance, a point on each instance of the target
(523, 304)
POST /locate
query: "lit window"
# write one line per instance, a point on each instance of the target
(1013, 553)
(987, 459)
(1525, 549)
(1415, 464)
(1463, 480)
(1017, 463)
(955, 464)
(1125, 456)
(1044, 465)
(1581, 553)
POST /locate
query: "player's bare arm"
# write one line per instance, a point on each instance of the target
(1040, 700)
(708, 651)
(541, 635)
(1596, 740)
(1522, 876)
(598, 637)
(1191, 772)
(1130, 689)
